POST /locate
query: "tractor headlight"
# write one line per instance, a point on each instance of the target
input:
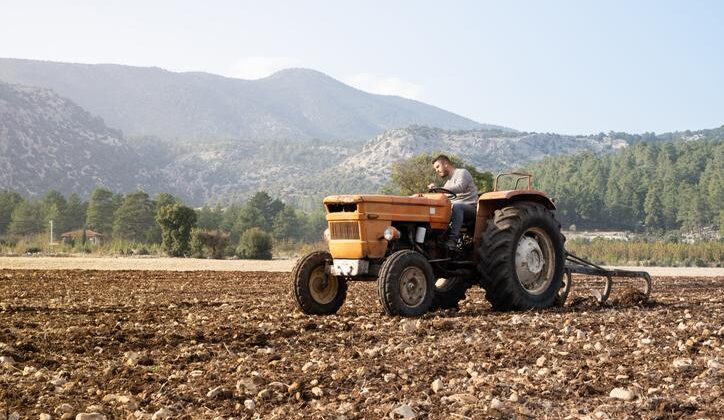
(391, 234)
(327, 235)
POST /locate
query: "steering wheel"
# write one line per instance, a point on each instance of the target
(444, 191)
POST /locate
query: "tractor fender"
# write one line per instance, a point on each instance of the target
(498, 199)
(491, 201)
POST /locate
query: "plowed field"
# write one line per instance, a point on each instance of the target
(137, 344)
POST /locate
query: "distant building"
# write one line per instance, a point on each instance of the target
(92, 237)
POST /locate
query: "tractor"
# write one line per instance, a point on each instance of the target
(513, 249)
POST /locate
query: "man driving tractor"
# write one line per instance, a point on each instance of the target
(516, 251)
(464, 203)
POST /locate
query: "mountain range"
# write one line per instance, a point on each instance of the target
(297, 134)
(291, 104)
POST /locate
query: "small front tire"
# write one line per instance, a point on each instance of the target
(315, 290)
(405, 284)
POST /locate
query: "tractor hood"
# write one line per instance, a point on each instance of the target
(435, 199)
(433, 209)
(357, 222)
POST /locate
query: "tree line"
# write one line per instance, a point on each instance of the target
(655, 187)
(247, 230)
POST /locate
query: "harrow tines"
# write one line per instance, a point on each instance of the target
(579, 265)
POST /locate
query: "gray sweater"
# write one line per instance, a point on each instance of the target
(462, 184)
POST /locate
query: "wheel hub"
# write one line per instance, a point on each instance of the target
(532, 263)
(529, 255)
(322, 287)
(413, 286)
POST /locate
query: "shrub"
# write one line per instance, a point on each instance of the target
(176, 222)
(255, 244)
(209, 243)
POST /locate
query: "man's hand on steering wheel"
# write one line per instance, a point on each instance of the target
(434, 189)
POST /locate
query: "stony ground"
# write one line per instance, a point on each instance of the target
(137, 344)
(85, 262)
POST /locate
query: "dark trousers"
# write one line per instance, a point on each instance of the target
(461, 213)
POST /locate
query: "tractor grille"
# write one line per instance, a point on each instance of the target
(344, 230)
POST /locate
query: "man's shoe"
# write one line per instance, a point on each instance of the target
(452, 244)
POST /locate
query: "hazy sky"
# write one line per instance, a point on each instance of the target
(548, 66)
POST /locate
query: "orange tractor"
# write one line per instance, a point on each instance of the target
(514, 249)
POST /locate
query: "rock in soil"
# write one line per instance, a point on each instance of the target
(622, 394)
(403, 411)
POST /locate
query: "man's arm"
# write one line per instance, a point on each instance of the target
(459, 182)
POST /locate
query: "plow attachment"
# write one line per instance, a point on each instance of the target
(578, 265)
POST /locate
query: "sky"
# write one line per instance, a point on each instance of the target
(573, 67)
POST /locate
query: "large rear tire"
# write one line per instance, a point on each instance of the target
(522, 257)
(405, 284)
(315, 291)
(449, 292)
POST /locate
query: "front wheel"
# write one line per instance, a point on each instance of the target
(405, 284)
(522, 256)
(315, 290)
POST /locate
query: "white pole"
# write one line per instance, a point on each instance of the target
(51, 232)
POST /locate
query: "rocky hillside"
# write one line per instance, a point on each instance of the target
(491, 150)
(232, 171)
(291, 104)
(305, 171)
(48, 142)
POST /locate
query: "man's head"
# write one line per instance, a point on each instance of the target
(443, 166)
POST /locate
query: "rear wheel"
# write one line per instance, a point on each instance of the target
(315, 291)
(522, 256)
(405, 284)
(449, 292)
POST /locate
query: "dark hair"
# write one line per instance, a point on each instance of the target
(442, 158)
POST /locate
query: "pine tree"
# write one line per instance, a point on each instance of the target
(74, 215)
(26, 219)
(249, 217)
(101, 209)
(314, 226)
(665, 175)
(711, 186)
(287, 225)
(53, 206)
(266, 206)
(8, 201)
(135, 219)
(210, 219)
(654, 219)
(690, 209)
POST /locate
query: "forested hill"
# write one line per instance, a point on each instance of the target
(649, 186)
